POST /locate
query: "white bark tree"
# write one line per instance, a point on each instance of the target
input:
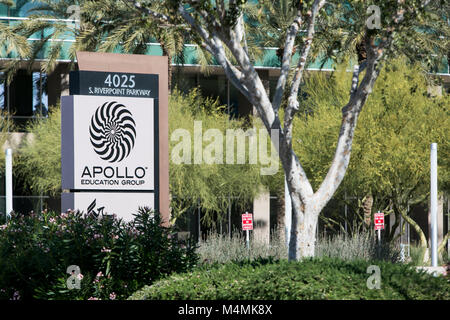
(221, 31)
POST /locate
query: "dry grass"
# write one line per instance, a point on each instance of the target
(360, 246)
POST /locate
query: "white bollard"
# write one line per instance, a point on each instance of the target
(8, 183)
(433, 204)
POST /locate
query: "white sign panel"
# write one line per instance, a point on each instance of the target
(122, 204)
(110, 145)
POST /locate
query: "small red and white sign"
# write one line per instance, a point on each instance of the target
(379, 220)
(247, 221)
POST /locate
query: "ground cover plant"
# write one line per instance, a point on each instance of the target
(361, 245)
(312, 278)
(221, 248)
(114, 258)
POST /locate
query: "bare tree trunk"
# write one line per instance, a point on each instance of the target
(303, 229)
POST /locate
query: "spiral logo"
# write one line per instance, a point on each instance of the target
(113, 131)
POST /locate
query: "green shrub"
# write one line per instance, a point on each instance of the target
(38, 160)
(309, 279)
(115, 258)
(417, 252)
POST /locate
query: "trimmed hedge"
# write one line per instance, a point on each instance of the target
(309, 279)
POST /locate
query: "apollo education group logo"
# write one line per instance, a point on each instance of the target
(112, 143)
(112, 131)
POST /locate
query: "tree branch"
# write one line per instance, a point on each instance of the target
(444, 242)
(350, 115)
(210, 19)
(239, 32)
(257, 93)
(298, 76)
(214, 46)
(155, 15)
(221, 9)
(293, 104)
(286, 60)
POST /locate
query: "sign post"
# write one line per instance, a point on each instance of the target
(379, 223)
(247, 225)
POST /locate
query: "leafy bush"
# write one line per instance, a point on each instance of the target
(416, 256)
(115, 258)
(359, 246)
(309, 279)
(38, 160)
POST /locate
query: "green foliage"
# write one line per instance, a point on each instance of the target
(421, 33)
(398, 126)
(359, 246)
(208, 185)
(116, 25)
(390, 152)
(223, 249)
(391, 147)
(308, 279)
(13, 42)
(45, 23)
(38, 161)
(273, 21)
(5, 126)
(417, 253)
(115, 258)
